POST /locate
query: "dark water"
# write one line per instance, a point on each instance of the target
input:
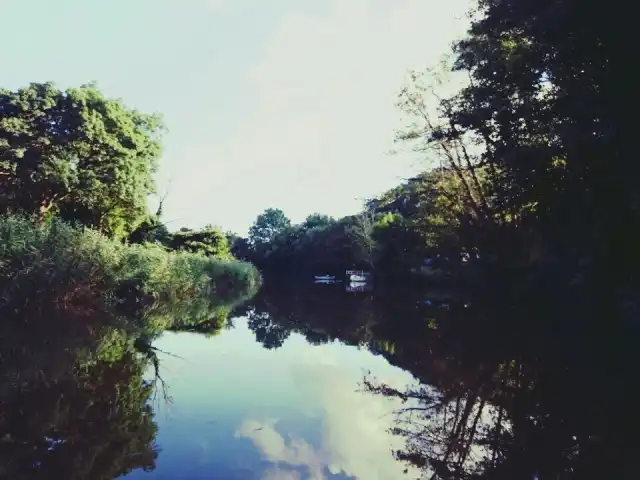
(329, 382)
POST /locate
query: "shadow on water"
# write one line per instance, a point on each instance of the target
(73, 407)
(514, 383)
(511, 384)
(78, 390)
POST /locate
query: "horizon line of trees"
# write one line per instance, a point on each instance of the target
(394, 234)
(527, 165)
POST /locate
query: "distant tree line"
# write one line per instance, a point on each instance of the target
(528, 165)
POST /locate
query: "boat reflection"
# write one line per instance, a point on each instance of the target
(359, 287)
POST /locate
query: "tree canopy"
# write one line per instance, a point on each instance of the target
(77, 154)
(267, 226)
(210, 241)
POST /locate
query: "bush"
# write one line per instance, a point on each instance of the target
(54, 265)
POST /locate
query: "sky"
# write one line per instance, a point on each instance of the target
(281, 103)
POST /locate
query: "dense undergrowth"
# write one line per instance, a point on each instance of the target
(55, 267)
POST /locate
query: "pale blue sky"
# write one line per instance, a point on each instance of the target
(283, 103)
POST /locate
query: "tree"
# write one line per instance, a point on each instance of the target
(77, 154)
(545, 98)
(267, 226)
(239, 246)
(151, 229)
(210, 241)
(317, 220)
(418, 218)
(361, 232)
(461, 203)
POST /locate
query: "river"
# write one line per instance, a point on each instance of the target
(242, 411)
(326, 383)
(261, 400)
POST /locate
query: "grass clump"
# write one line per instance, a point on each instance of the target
(53, 265)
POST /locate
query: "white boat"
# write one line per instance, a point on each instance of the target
(324, 277)
(358, 275)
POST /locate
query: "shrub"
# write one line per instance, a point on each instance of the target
(54, 265)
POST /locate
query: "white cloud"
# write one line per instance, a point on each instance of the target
(354, 440)
(295, 452)
(327, 83)
(323, 96)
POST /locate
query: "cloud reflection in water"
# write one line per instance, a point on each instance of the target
(354, 441)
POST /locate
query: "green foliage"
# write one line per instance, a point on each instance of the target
(267, 226)
(209, 241)
(393, 234)
(317, 246)
(317, 220)
(150, 230)
(539, 190)
(78, 155)
(75, 158)
(534, 142)
(54, 264)
(361, 232)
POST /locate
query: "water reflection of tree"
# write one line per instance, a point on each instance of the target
(95, 423)
(519, 389)
(515, 383)
(74, 406)
(73, 402)
(321, 315)
(271, 334)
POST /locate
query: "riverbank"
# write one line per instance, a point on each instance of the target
(55, 267)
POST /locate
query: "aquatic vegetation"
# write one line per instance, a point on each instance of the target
(52, 265)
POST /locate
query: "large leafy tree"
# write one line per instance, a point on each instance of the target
(267, 226)
(317, 220)
(546, 94)
(77, 154)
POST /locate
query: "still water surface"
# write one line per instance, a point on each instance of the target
(242, 411)
(496, 389)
